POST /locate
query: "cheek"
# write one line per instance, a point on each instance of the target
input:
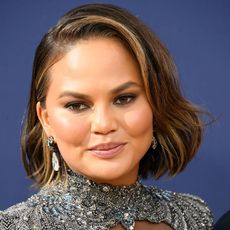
(139, 121)
(68, 127)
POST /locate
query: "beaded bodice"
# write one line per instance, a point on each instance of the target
(84, 204)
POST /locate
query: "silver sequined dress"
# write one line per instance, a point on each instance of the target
(86, 205)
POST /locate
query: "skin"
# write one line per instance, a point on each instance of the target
(114, 108)
(140, 225)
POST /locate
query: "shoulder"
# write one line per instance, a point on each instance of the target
(186, 211)
(194, 209)
(31, 214)
(10, 217)
(21, 216)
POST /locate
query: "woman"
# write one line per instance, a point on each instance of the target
(105, 109)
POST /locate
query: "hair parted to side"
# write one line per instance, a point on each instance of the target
(177, 126)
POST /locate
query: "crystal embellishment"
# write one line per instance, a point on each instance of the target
(55, 162)
(85, 205)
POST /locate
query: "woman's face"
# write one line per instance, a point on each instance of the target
(97, 111)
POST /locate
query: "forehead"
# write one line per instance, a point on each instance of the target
(94, 61)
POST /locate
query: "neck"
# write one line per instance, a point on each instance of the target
(76, 178)
(119, 181)
(116, 181)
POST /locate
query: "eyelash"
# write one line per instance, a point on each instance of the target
(128, 99)
(76, 106)
(121, 100)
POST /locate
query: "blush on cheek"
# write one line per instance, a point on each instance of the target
(69, 129)
(138, 121)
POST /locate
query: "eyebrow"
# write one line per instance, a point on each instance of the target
(116, 90)
(124, 86)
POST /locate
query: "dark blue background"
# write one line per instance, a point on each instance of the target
(198, 35)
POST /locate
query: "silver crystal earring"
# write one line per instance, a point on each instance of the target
(51, 146)
(55, 162)
(154, 142)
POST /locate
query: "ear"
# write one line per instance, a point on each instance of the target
(44, 119)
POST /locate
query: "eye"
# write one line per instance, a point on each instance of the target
(77, 106)
(124, 99)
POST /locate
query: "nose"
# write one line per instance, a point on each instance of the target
(103, 121)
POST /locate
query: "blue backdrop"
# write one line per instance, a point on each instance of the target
(197, 34)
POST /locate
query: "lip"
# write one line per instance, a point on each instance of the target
(107, 150)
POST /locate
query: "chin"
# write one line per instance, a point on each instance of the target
(114, 176)
(105, 176)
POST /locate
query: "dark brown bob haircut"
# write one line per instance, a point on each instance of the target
(177, 124)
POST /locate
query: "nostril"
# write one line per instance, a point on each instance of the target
(103, 121)
(103, 128)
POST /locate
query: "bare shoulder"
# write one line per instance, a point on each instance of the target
(140, 225)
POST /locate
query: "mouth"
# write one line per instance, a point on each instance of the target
(107, 150)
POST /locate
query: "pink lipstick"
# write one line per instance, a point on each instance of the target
(107, 150)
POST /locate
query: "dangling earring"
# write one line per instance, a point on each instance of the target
(55, 162)
(51, 146)
(154, 142)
